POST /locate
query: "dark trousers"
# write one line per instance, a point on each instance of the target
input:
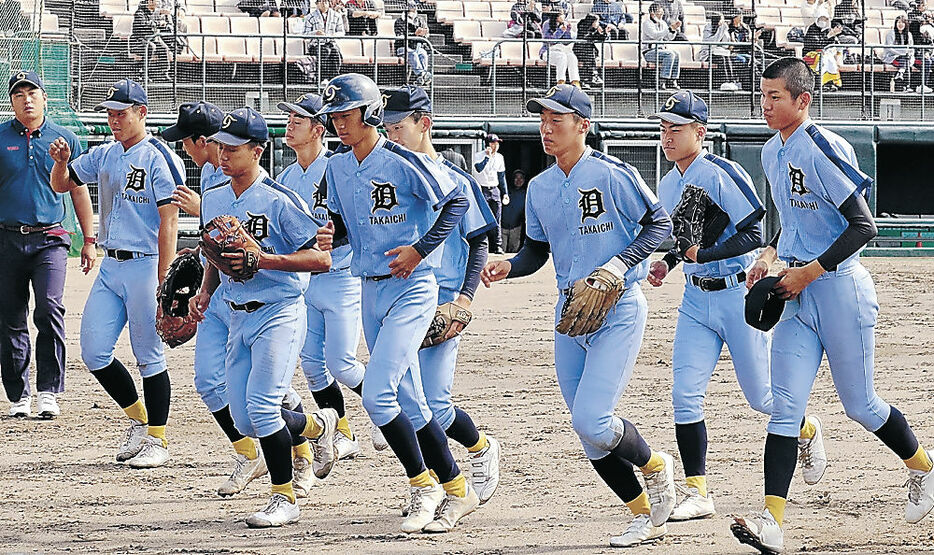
(330, 58)
(491, 194)
(39, 258)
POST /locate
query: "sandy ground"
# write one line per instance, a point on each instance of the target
(60, 489)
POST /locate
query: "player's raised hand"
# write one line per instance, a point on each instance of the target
(405, 261)
(60, 151)
(495, 271)
(657, 272)
(758, 270)
(187, 200)
(325, 237)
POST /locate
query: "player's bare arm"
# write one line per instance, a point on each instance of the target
(81, 199)
(303, 260)
(198, 304)
(187, 200)
(168, 237)
(60, 153)
(760, 268)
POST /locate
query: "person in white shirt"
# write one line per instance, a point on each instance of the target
(489, 169)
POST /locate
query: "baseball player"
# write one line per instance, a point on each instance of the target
(408, 122)
(329, 355)
(819, 191)
(267, 321)
(136, 176)
(395, 210)
(599, 218)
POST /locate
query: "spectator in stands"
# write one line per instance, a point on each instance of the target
(655, 32)
(742, 55)
(455, 158)
(560, 54)
(898, 52)
(589, 33)
(717, 29)
(327, 22)
(674, 15)
(11, 16)
(415, 50)
(513, 222)
(524, 16)
(847, 14)
(917, 18)
(145, 25)
(338, 6)
(810, 9)
(613, 17)
(551, 9)
(489, 169)
(821, 55)
(362, 16)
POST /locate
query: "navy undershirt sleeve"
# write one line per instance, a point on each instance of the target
(862, 228)
(744, 240)
(451, 213)
(476, 260)
(340, 230)
(656, 227)
(530, 258)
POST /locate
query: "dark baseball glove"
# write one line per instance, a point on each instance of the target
(588, 303)
(173, 322)
(445, 316)
(697, 220)
(225, 234)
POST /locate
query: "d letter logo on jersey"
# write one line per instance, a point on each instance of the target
(320, 200)
(257, 226)
(796, 177)
(136, 179)
(591, 203)
(384, 196)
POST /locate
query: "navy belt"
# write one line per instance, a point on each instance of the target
(251, 306)
(797, 264)
(379, 278)
(124, 255)
(717, 284)
(27, 229)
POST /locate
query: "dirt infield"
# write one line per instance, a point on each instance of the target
(60, 489)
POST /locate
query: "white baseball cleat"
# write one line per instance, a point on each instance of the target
(693, 505)
(346, 448)
(811, 454)
(47, 405)
(278, 511)
(21, 408)
(244, 471)
(422, 506)
(378, 439)
(760, 531)
(452, 511)
(660, 487)
(152, 453)
(323, 445)
(640, 530)
(920, 495)
(303, 477)
(133, 441)
(484, 470)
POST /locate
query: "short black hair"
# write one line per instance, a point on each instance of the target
(417, 115)
(797, 75)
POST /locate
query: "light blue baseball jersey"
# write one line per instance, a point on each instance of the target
(589, 216)
(131, 186)
(388, 200)
(211, 177)
(280, 222)
(810, 176)
(307, 183)
(730, 188)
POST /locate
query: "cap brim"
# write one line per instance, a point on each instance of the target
(289, 108)
(341, 107)
(27, 82)
(226, 138)
(673, 118)
(393, 117)
(536, 105)
(175, 133)
(112, 105)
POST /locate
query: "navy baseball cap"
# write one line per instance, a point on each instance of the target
(683, 107)
(307, 106)
(492, 138)
(242, 126)
(25, 77)
(123, 94)
(563, 99)
(402, 102)
(195, 119)
(764, 307)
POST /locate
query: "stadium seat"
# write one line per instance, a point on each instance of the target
(111, 8)
(686, 52)
(626, 55)
(123, 26)
(479, 47)
(215, 25)
(694, 13)
(466, 31)
(206, 7)
(448, 11)
(477, 10)
(294, 50)
(385, 27)
(499, 12)
(194, 52)
(579, 11)
(492, 28)
(244, 25)
(269, 26)
(352, 52)
(233, 49)
(386, 53)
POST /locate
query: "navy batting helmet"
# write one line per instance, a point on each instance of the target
(346, 92)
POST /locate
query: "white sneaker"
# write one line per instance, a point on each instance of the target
(21, 408)
(133, 441)
(244, 471)
(151, 454)
(920, 495)
(378, 439)
(811, 454)
(346, 448)
(693, 505)
(278, 511)
(640, 530)
(47, 406)
(484, 470)
(660, 487)
(303, 478)
(323, 445)
(760, 531)
(452, 510)
(727, 86)
(422, 506)
(924, 88)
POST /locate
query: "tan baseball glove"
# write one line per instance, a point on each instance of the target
(445, 316)
(588, 303)
(225, 234)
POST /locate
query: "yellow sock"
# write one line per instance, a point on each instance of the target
(808, 430)
(246, 447)
(302, 451)
(776, 506)
(137, 411)
(456, 487)
(640, 505)
(699, 483)
(920, 461)
(480, 445)
(423, 480)
(656, 463)
(158, 432)
(434, 475)
(312, 430)
(286, 490)
(343, 426)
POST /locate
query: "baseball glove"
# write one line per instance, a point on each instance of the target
(173, 322)
(697, 220)
(225, 234)
(588, 303)
(447, 314)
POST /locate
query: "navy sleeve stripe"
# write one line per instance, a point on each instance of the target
(74, 176)
(862, 181)
(164, 201)
(419, 164)
(294, 198)
(179, 180)
(630, 172)
(744, 184)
